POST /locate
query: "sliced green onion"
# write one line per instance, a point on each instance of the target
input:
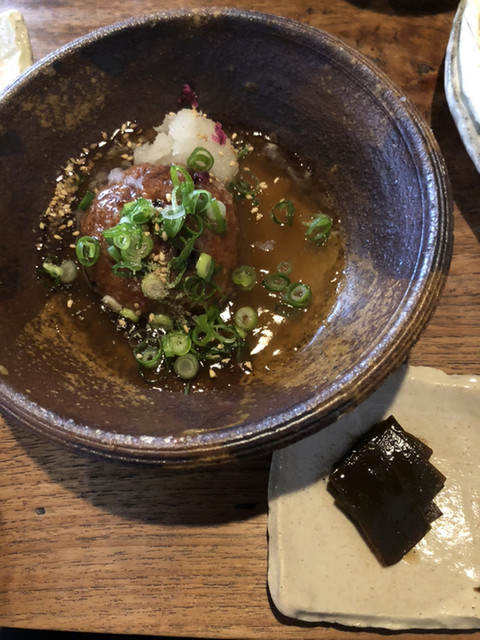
(319, 229)
(120, 235)
(139, 211)
(180, 342)
(167, 346)
(153, 287)
(216, 215)
(200, 159)
(65, 272)
(86, 201)
(199, 290)
(87, 250)
(186, 366)
(246, 318)
(172, 226)
(148, 355)
(111, 303)
(282, 213)
(225, 334)
(126, 269)
(284, 267)
(198, 200)
(245, 187)
(53, 270)
(176, 209)
(205, 266)
(186, 185)
(286, 310)
(180, 261)
(276, 282)
(161, 321)
(141, 245)
(203, 331)
(129, 314)
(244, 276)
(114, 253)
(298, 295)
(244, 151)
(202, 335)
(194, 225)
(174, 275)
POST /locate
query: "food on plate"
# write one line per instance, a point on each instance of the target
(321, 569)
(146, 190)
(199, 246)
(386, 485)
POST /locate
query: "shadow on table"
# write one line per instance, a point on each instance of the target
(464, 178)
(213, 495)
(407, 7)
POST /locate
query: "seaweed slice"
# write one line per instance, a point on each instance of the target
(386, 485)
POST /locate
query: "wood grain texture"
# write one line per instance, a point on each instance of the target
(89, 545)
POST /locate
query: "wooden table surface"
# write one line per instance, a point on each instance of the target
(99, 546)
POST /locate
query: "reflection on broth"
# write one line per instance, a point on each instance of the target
(240, 326)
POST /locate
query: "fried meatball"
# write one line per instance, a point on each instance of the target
(153, 182)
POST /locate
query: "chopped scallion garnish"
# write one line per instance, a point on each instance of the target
(186, 366)
(179, 342)
(148, 355)
(129, 314)
(86, 201)
(205, 266)
(298, 295)
(282, 213)
(276, 282)
(87, 250)
(244, 276)
(246, 318)
(319, 229)
(284, 267)
(161, 321)
(200, 159)
(153, 287)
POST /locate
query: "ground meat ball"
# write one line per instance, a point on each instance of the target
(153, 182)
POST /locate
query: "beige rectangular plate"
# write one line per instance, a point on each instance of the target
(320, 569)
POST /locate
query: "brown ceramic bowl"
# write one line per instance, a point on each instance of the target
(323, 101)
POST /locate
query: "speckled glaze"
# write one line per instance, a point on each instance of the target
(322, 100)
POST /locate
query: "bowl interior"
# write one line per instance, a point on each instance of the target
(321, 100)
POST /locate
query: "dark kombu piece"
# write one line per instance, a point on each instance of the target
(386, 485)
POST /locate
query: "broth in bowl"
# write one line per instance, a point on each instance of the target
(190, 257)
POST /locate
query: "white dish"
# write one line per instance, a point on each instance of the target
(462, 76)
(15, 49)
(320, 568)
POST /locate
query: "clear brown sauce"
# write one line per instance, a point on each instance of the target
(266, 244)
